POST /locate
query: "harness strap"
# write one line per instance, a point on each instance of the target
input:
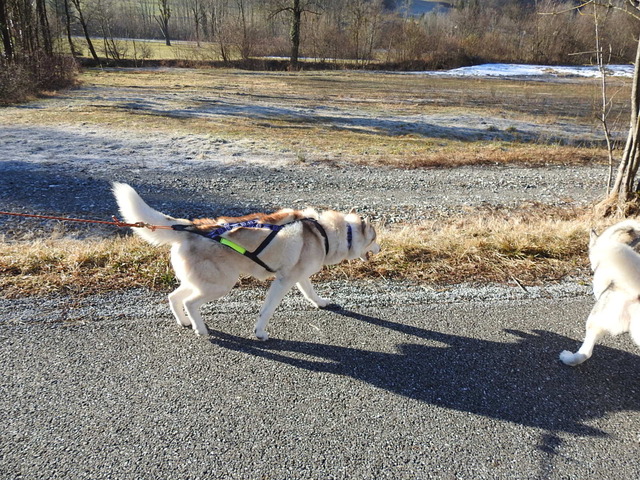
(216, 235)
(247, 224)
(243, 251)
(322, 231)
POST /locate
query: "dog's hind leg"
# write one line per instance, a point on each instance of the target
(634, 322)
(603, 311)
(197, 299)
(192, 306)
(310, 294)
(176, 302)
(585, 351)
(276, 293)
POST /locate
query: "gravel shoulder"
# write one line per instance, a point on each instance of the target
(52, 171)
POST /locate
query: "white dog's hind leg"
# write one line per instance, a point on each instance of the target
(585, 351)
(310, 294)
(276, 293)
(634, 322)
(176, 302)
(605, 309)
(192, 306)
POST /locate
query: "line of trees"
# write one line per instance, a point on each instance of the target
(363, 31)
(371, 31)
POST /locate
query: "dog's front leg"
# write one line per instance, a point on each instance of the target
(310, 294)
(276, 293)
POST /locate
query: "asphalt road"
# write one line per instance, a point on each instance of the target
(390, 385)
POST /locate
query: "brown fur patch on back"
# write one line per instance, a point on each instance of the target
(280, 217)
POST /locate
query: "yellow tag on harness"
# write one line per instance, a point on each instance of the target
(235, 246)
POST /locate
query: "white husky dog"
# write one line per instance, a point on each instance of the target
(208, 255)
(616, 286)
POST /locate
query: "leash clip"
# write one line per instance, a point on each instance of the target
(120, 224)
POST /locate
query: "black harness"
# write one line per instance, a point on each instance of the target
(216, 235)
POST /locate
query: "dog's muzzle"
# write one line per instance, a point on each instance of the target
(375, 248)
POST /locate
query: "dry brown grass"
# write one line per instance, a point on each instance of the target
(81, 267)
(531, 246)
(491, 246)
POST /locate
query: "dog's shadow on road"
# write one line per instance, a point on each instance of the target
(521, 381)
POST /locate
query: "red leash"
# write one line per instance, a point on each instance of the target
(115, 221)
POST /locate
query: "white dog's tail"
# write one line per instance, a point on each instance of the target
(133, 209)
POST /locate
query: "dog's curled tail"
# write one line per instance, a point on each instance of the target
(133, 210)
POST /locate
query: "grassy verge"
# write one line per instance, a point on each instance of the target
(527, 247)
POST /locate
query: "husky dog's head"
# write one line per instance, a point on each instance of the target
(364, 237)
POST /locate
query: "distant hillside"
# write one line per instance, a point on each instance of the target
(421, 7)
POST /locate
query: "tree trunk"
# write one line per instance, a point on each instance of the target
(47, 43)
(4, 31)
(85, 29)
(296, 16)
(67, 25)
(623, 191)
(163, 20)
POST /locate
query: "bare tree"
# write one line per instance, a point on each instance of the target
(145, 18)
(196, 9)
(67, 28)
(295, 8)
(85, 28)
(28, 64)
(624, 194)
(606, 104)
(245, 39)
(219, 12)
(623, 190)
(365, 20)
(113, 48)
(163, 18)
(43, 21)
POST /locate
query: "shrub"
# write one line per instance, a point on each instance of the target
(28, 77)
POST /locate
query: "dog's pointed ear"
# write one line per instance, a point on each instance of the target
(353, 210)
(593, 236)
(364, 224)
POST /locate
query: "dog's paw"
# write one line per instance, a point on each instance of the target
(322, 302)
(261, 335)
(202, 332)
(572, 359)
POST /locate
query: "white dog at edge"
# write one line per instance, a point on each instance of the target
(616, 286)
(289, 244)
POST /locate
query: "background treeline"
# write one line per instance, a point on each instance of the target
(36, 34)
(365, 31)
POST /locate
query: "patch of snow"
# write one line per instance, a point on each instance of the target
(519, 70)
